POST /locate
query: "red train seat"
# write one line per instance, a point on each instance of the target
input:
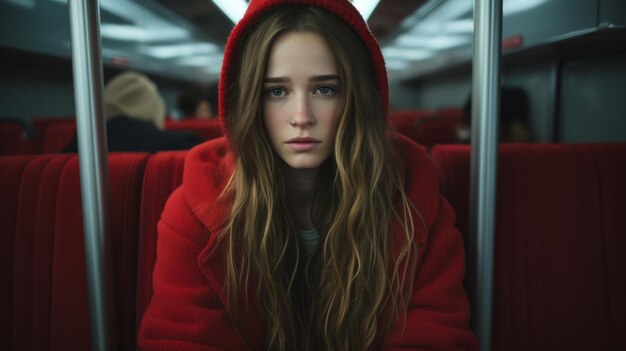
(434, 130)
(11, 170)
(164, 173)
(206, 129)
(403, 121)
(49, 291)
(41, 124)
(58, 137)
(425, 127)
(14, 141)
(560, 264)
(450, 112)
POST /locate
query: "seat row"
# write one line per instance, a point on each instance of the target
(426, 127)
(560, 265)
(560, 242)
(19, 136)
(44, 300)
(53, 135)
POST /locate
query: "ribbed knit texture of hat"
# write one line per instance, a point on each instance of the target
(134, 95)
(342, 8)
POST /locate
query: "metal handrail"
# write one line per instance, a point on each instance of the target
(485, 107)
(94, 174)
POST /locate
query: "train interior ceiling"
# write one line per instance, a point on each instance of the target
(571, 67)
(567, 56)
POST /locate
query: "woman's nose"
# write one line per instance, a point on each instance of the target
(302, 114)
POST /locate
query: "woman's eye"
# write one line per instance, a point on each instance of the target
(324, 90)
(277, 92)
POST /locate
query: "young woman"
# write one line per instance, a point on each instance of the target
(309, 226)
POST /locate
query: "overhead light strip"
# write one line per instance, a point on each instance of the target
(365, 7)
(233, 9)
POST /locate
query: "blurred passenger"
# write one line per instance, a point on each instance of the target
(198, 103)
(135, 113)
(514, 123)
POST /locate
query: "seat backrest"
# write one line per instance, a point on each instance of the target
(206, 129)
(403, 121)
(50, 299)
(58, 136)
(453, 165)
(11, 170)
(164, 173)
(560, 264)
(437, 130)
(450, 112)
(33, 251)
(14, 141)
(41, 124)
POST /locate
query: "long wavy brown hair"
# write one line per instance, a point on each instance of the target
(348, 293)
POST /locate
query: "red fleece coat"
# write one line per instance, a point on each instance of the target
(187, 308)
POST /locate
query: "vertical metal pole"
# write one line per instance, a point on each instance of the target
(485, 111)
(94, 175)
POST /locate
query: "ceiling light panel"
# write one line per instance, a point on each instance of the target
(437, 42)
(201, 60)
(365, 7)
(510, 7)
(460, 26)
(132, 33)
(396, 64)
(233, 9)
(406, 53)
(172, 51)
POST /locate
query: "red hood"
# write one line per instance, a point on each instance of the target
(342, 8)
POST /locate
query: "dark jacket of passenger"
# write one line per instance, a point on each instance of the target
(135, 135)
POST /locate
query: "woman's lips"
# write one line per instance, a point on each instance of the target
(303, 143)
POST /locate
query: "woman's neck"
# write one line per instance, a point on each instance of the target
(302, 185)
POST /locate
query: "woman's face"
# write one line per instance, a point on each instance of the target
(301, 99)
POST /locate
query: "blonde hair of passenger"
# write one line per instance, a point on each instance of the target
(348, 293)
(133, 94)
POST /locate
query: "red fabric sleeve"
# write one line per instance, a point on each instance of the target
(439, 311)
(185, 312)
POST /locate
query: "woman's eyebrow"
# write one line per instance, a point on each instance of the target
(276, 80)
(320, 78)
